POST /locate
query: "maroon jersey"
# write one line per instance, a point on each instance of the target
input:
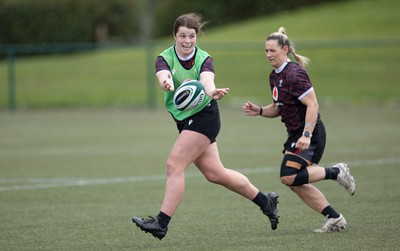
(288, 87)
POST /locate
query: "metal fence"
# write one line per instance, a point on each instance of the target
(11, 53)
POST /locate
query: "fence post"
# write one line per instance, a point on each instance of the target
(151, 87)
(11, 80)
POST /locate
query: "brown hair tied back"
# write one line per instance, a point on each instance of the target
(189, 20)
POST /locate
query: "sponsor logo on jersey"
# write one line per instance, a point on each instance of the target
(275, 94)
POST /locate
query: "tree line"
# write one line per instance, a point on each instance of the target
(88, 21)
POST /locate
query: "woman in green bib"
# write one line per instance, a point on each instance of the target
(198, 129)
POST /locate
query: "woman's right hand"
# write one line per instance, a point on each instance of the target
(168, 84)
(251, 109)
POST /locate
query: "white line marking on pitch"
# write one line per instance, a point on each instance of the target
(41, 183)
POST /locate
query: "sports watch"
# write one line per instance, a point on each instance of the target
(307, 134)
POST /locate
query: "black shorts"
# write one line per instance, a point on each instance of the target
(315, 151)
(206, 122)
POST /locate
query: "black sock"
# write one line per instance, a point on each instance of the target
(163, 219)
(261, 200)
(331, 173)
(330, 212)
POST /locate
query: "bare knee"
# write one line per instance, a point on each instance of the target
(287, 180)
(211, 171)
(213, 177)
(173, 167)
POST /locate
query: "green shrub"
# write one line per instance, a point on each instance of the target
(49, 21)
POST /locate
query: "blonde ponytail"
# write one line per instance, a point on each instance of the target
(302, 60)
(282, 30)
(283, 40)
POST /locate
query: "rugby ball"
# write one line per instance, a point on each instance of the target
(189, 95)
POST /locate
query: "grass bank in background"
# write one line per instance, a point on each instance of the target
(353, 46)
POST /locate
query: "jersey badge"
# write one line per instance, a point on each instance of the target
(275, 94)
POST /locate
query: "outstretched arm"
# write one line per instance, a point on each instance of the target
(269, 111)
(165, 80)
(207, 79)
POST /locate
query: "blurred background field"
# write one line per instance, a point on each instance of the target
(82, 152)
(353, 46)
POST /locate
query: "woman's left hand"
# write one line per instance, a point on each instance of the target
(219, 93)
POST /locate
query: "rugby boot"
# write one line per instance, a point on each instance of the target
(271, 210)
(150, 225)
(345, 179)
(332, 225)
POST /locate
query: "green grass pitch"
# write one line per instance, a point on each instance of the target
(72, 180)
